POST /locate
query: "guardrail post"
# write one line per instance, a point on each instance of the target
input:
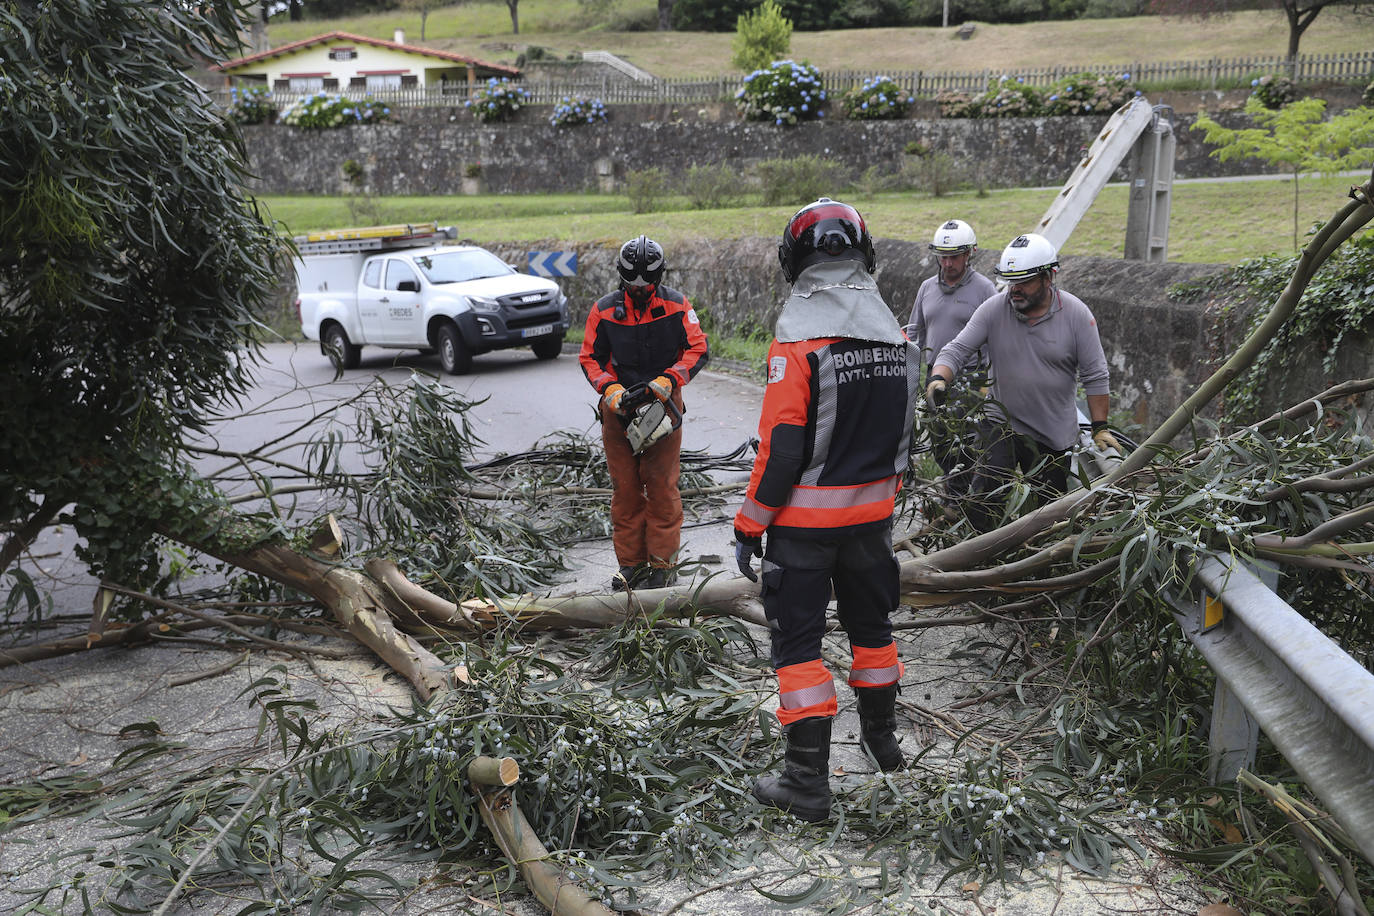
(1312, 700)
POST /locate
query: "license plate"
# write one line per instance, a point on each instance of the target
(538, 331)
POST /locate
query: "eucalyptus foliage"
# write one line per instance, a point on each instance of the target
(1333, 319)
(133, 270)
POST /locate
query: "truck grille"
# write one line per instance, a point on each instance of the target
(524, 302)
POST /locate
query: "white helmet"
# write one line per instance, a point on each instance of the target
(954, 237)
(1026, 256)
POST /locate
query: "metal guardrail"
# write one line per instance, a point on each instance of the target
(1277, 672)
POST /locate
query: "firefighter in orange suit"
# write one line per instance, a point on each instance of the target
(643, 333)
(834, 438)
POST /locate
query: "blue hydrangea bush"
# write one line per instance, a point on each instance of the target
(785, 93)
(250, 105)
(322, 111)
(498, 100)
(1273, 92)
(572, 111)
(1010, 98)
(1089, 94)
(878, 99)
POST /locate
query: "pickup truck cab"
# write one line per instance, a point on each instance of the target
(458, 300)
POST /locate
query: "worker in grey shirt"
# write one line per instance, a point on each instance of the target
(1041, 341)
(944, 303)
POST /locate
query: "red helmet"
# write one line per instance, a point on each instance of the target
(824, 231)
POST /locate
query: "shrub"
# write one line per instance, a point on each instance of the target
(1273, 92)
(709, 187)
(252, 105)
(578, 110)
(646, 188)
(498, 100)
(953, 103)
(761, 36)
(878, 99)
(786, 93)
(1368, 96)
(937, 173)
(322, 111)
(1011, 99)
(472, 170)
(797, 181)
(1089, 93)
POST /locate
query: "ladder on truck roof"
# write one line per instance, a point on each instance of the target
(373, 238)
(1145, 134)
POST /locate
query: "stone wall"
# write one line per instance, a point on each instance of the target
(425, 154)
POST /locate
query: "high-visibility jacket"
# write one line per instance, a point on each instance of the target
(834, 436)
(631, 344)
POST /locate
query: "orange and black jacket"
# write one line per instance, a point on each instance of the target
(661, 338)
(833, 437)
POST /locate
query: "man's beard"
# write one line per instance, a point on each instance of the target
(1023, 303)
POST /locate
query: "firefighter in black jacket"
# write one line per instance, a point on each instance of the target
(643, 333)
(833, 443)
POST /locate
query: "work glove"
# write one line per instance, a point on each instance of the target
(613, 395)
(1103, 438)
(747, 546)
(937, 392)
(662, 387)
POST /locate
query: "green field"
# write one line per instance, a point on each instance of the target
(1212, 222)
(563, 27)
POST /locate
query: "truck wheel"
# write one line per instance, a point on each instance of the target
(342, 352)
(547, 347)
(453, 355)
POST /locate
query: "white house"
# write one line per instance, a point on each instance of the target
(339, 60)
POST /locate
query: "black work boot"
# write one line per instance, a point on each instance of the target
(657, 577)
(803, 789)
(878, 725)
(627, 577)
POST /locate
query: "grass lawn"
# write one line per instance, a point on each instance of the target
(563, 27)
(1211, 222)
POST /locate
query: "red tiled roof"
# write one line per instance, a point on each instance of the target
(294, 46)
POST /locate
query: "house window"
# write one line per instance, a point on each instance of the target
(305, 84)
(409, 81)
(377, 81)
(331, 84)
(342, 53)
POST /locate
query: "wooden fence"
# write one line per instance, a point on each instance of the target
(618, 89)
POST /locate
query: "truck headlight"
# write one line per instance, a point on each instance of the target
(483, 304)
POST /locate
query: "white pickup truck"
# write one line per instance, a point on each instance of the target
(393, 287)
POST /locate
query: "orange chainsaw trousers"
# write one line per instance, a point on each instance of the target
(646, 507)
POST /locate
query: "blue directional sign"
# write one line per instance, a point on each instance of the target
(553, 263)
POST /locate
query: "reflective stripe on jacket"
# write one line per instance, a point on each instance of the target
(833, 435)
(663, 337)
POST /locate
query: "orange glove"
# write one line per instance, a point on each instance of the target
(662, 387)
(613, 395)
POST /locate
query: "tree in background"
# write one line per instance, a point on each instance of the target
(1297, 139)
(424, 8)
(761, 37)
(1299, 13)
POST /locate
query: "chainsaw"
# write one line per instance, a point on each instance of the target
(648, 418)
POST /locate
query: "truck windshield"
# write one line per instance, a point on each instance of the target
(460, 266)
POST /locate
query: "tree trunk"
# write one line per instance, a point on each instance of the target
(513, 6)
(665, 15)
